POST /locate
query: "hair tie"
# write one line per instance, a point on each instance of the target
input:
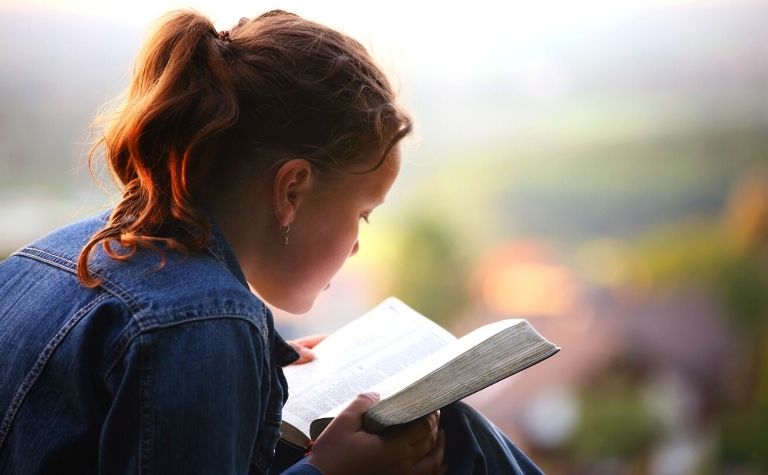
(224, 35)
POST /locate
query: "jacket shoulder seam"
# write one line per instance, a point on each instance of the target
(127, 342)
(66, 264)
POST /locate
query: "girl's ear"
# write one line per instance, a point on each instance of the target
(292, 183)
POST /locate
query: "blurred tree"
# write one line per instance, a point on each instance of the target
(747, 215)
(729, 258)
(743, 286)
(429, 272)
(615, 423)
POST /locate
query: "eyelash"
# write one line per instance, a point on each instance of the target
(365, 218)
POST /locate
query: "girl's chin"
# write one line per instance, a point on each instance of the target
(296, 304)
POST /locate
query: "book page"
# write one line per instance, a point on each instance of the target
(357, 357)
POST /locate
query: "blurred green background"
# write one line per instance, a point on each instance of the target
(600, 168)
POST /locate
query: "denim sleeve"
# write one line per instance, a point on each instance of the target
(302, 467)
(187, 398)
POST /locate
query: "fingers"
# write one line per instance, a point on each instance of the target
(428, 426)
(424, 447)
(416, 431)
(305, 354)
(303, 347)
(310, 341)
(414, 448)
(352, 415)
(433, 462)
(420, 447)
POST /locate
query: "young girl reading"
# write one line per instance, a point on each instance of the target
(133, 342)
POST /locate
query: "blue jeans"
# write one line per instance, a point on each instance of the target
(473, 446)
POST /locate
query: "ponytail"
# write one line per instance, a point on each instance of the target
(179, 101)
(202, 103)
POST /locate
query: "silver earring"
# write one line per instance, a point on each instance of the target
(285, 234)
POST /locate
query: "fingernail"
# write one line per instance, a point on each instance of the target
(371, 395)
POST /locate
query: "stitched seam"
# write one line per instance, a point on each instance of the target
(128, 341)
(146, 445)
(66, 264)
(39, 365)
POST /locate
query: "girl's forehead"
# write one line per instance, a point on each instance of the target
(372, 186)
(365, 180)
(382, 178)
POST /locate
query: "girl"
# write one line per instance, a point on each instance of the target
(131, 342)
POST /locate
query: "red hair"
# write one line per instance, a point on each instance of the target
(204, 106)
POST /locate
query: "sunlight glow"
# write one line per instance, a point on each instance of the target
(456, 42)
(393, 19)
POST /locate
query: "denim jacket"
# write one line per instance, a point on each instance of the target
(158, 370)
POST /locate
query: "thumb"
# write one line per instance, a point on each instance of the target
(354, 412)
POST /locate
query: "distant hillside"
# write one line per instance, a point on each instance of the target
(665, 66)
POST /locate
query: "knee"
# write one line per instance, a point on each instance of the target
(463, 413)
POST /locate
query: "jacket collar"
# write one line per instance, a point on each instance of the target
(220, 249)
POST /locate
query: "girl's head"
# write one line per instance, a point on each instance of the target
(280, 126)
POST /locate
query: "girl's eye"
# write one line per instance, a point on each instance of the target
(364, 217)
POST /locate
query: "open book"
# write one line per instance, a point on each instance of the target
(415, 365)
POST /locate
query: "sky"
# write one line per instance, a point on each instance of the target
(525, 16)
(402, 34)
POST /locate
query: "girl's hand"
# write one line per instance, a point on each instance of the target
(304, 347)
(415, 448)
